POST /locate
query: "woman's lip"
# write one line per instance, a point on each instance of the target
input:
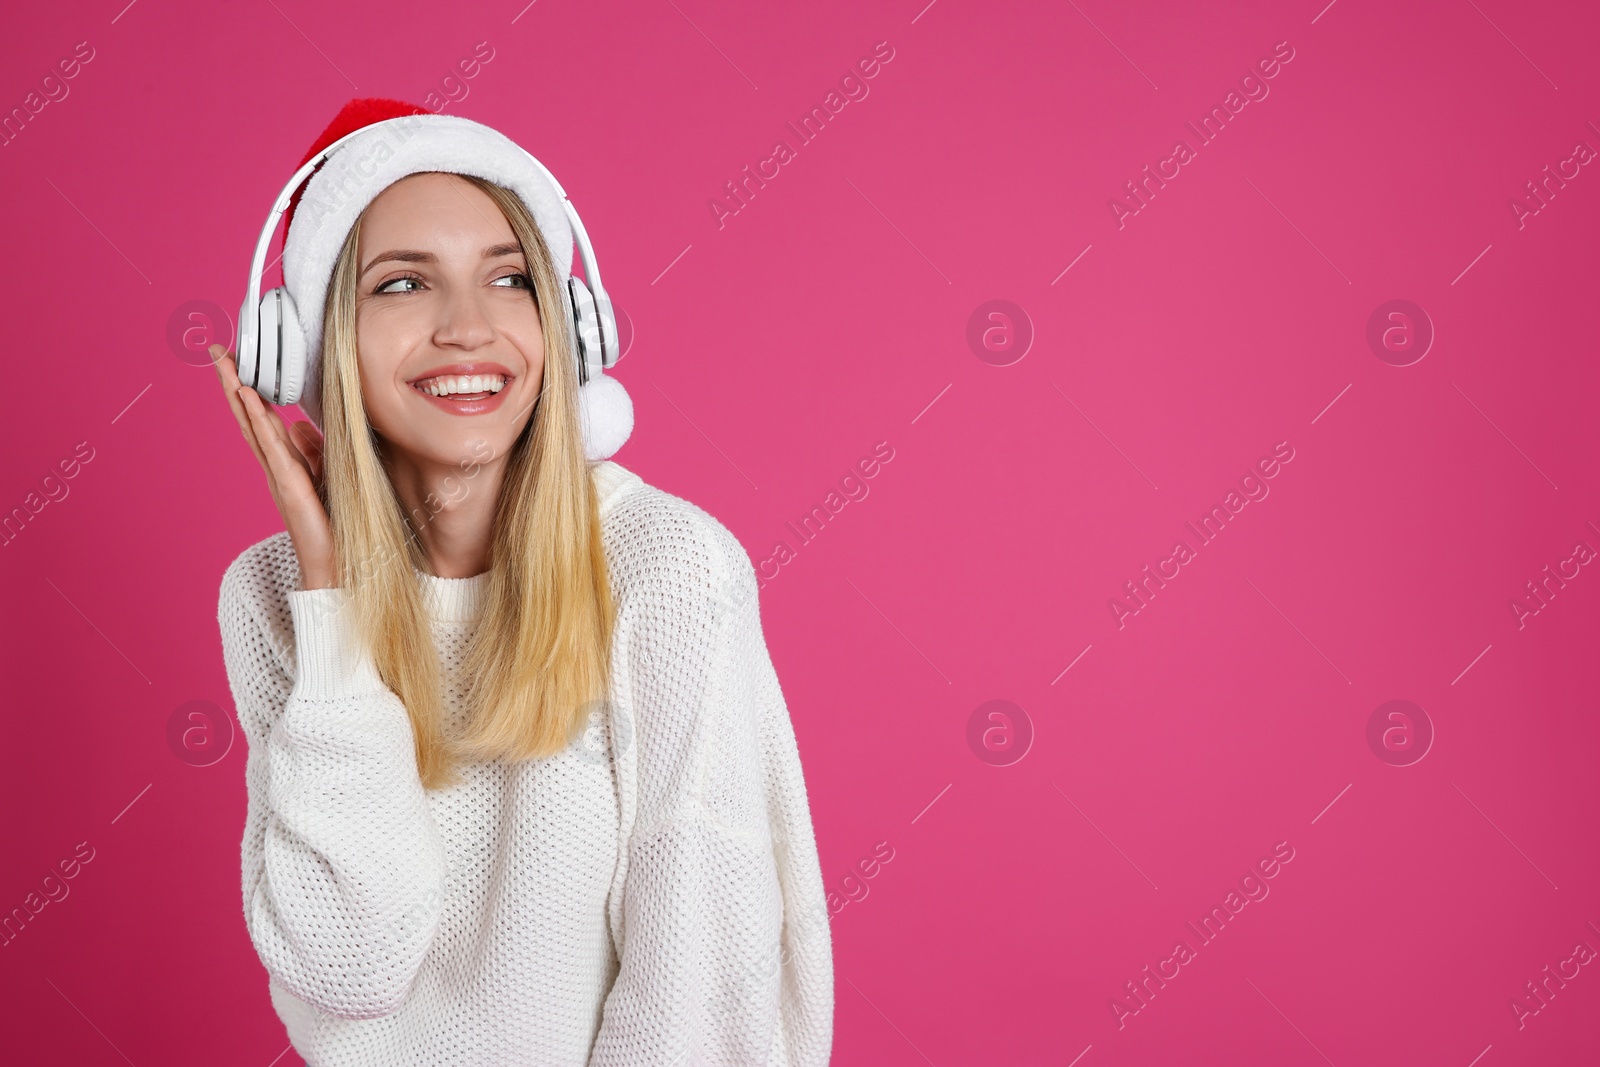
(465, 407)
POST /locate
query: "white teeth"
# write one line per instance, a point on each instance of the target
(452, 384)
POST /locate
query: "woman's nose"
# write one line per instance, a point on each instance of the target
(464, 321)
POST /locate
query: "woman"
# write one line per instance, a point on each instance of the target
(522, 785)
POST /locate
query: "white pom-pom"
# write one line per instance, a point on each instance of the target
(606, 411)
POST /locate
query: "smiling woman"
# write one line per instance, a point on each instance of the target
(459, 388)
(453, 332)
(522, 783)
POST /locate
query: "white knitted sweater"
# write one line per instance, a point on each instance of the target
(649, 896)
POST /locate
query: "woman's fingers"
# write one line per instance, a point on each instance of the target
(294, 447)
(227, 370)
(256, 430)
(292, 462)
(273, 439)
(309, 442)
(228, 373)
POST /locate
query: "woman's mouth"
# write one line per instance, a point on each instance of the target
(464, 394)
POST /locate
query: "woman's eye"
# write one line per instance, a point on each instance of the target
(384, 287)
(522, 281)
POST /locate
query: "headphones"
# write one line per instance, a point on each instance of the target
(272, 346)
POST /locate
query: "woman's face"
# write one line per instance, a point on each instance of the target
(445, 305)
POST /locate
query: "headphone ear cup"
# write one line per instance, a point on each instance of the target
(279, 370)
(249, 339)
(292, 351)
(610, 336)
(586, 330)
(263, 376)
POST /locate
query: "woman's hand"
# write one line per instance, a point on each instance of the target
(291, 457)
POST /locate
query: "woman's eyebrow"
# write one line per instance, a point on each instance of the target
(407, 255)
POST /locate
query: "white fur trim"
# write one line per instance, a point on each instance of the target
(369, 163)
(606, 411)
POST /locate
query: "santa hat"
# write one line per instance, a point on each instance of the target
(322, 211)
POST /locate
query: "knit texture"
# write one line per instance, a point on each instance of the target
(649, 896)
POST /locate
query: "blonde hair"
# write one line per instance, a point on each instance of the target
(539, 659)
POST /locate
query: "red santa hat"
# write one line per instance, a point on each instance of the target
(403, 139)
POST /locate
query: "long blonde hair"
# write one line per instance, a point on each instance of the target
(539, 659)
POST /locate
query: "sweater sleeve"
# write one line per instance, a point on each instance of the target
(343, 865)
(726, 956)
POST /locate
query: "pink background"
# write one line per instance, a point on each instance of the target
(831, 313)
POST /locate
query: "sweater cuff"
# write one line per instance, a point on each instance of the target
(331, 658)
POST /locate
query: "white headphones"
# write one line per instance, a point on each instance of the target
(272, 346)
